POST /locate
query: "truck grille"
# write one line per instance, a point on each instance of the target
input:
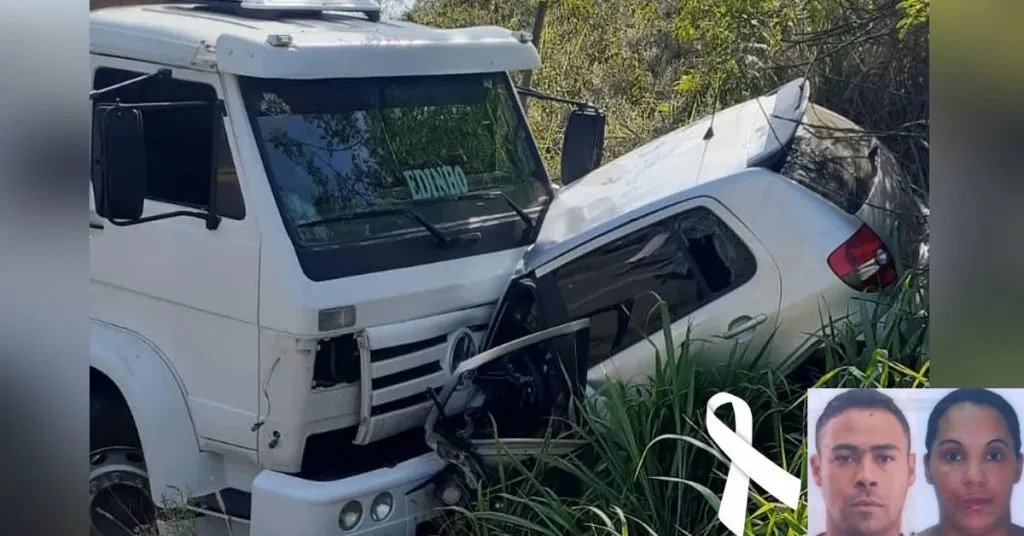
(395, 383)
(401, 375)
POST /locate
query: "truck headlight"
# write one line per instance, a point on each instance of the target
(381, 506)
(450, 494)
(448, 490)
(350, 515)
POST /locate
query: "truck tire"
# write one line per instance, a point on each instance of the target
(120, 503)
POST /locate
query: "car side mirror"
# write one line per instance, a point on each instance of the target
(119, 172)
(583, 145)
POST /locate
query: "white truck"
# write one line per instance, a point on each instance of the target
(302, 217)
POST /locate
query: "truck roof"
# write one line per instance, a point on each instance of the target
(325, 45)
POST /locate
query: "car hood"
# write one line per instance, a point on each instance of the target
(660, 172)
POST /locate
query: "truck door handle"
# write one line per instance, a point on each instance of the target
(743, 324)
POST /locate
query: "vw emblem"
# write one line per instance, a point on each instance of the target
(461, 347)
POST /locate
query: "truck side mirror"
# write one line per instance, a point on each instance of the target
(583, 145)
(120, 162)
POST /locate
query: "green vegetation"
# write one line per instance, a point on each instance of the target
(656, 65)
(650, 469)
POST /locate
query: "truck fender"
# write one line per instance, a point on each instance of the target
(158, 404)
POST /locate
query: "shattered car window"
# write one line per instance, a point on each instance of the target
(833, 158)
(724, 261)
(687, 260)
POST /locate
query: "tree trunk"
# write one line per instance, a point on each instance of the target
(538, 28)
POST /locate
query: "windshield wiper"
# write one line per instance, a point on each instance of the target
(438, 234)
(487, 194)
(518, 210)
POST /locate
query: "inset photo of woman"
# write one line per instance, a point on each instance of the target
(925, 462)
(973, 461)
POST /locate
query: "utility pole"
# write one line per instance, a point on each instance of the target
(538, 28)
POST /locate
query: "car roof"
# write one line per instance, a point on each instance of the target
(669, 169)
(330, 45)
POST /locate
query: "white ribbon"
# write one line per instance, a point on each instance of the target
(746, 464)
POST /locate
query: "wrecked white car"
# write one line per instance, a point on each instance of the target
(752, 225)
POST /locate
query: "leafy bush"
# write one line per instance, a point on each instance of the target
(654, 66)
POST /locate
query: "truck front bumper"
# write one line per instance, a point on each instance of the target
(286, 505)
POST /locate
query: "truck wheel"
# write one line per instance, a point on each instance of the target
(120, 503)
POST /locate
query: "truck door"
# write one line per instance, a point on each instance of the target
(189, 290)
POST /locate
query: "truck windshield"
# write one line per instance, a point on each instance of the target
(347, 158)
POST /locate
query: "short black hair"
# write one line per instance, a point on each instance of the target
(860, 398)
(978, 396)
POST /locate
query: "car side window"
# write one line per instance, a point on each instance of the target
(181, 143)
(722, 259)
(687, 260)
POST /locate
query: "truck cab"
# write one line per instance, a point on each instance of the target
(302, 217)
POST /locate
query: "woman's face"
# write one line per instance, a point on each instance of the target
(973, 467)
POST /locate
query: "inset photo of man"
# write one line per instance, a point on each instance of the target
(862, 464)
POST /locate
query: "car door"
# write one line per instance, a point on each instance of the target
(719, 284)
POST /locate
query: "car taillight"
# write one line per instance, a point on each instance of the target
(863, 262)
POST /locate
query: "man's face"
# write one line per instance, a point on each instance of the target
(864, 468)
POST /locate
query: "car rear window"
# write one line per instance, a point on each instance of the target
(688, 260)
(833, 157)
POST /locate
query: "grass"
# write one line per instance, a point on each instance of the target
(650, 469)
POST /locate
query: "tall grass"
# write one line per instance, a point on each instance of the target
(650, 468)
